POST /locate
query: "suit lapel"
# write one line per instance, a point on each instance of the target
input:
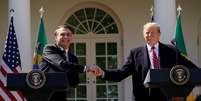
(161, 56)
(146, 61)
(70, 57)
(63, 53)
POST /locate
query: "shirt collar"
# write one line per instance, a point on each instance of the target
(149, 47)
(62, 49)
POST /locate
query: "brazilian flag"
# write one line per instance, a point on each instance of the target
(178, 37)
(180, 45)
(41, 41)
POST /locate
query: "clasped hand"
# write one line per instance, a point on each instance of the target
(94, 70)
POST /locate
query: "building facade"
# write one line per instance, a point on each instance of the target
(105, 31)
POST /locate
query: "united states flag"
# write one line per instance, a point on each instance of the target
(10, 64)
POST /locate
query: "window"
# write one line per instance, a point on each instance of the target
(92, 20)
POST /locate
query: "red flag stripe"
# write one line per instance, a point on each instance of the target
(3, 71)
(21, 95)
(2, 76)
(4, 95)
(18, 69)
(14, 70)
(10, 95)
(18, 92)
(17, 95)
(6, 68)
(1, 98)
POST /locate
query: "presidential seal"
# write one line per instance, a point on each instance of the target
(179, 75)
(35, 79)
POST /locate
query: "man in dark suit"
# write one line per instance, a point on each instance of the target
(58, 58)
(140, 60)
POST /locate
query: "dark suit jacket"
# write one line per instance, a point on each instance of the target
(54, 60)
(137, 64)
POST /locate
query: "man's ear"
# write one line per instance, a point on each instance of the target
(55, 38)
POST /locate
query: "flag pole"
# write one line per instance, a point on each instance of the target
(41, 11)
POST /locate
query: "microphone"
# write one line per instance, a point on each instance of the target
(174, 43)
(43, 66)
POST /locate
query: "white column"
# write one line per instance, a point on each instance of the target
(165, 15)
(22, 26)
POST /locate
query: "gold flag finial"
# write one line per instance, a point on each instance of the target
(41, 11)
(152, 10)
(179, 9)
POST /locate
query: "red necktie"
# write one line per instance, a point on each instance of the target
(155, 59)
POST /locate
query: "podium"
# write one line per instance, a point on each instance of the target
(41, 89)
(174, 83)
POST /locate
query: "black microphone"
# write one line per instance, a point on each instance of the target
(174, 43)
(43, 66)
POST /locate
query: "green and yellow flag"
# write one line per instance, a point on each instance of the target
(180, 44)
(178, 36)
(41, 41)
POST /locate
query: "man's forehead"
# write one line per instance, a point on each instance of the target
(64, 30)
(151, 27)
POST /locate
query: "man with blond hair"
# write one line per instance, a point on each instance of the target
(153, 55)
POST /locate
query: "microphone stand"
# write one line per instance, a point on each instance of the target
(174, 43)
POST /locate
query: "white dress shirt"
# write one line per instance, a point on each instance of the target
(150, 54)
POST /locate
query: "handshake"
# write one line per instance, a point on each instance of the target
(94, 70)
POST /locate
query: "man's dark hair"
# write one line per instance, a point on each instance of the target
(63, 26)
